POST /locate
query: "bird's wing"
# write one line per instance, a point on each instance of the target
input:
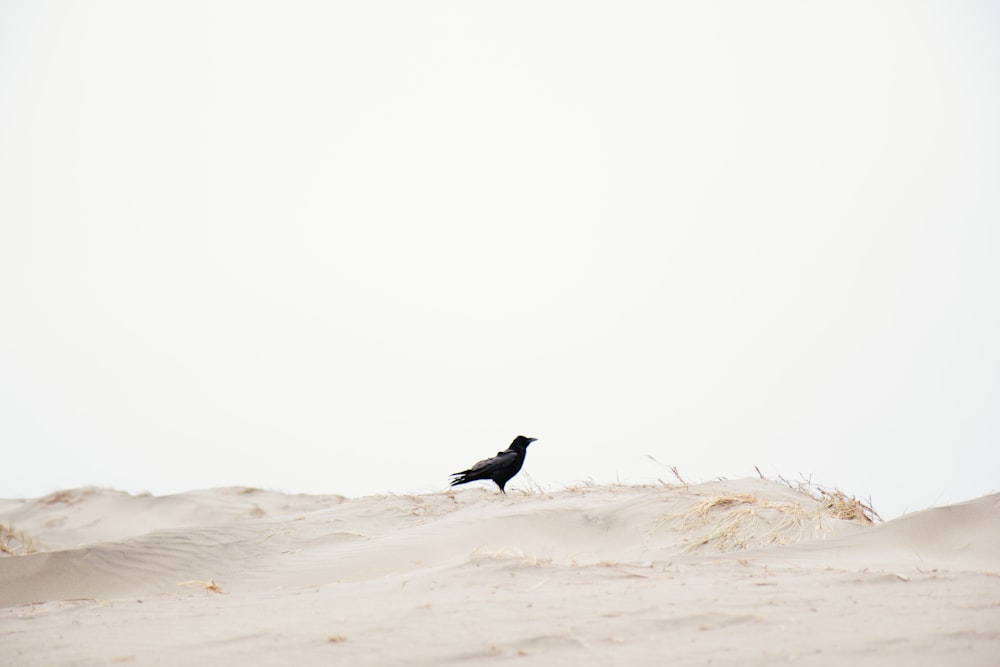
(498, 462)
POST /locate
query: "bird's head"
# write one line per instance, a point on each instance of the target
(521, 441)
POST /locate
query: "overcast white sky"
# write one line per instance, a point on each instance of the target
(354, 247)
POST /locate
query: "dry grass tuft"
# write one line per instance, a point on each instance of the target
(673, 471)
(842, 506)
(735, 521)
(74, 496)
(837, 503)
(67, 497)
(14, 542)
(533, 488)
(743, 521)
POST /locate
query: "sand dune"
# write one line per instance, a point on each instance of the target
(737, 572)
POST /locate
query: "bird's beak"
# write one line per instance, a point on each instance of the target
(532, 439)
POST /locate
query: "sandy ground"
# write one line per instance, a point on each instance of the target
(746, 572)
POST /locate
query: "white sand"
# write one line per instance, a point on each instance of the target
(591, 576)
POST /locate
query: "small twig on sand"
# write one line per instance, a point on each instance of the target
(209, 585)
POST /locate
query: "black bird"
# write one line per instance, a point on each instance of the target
(500, 468)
